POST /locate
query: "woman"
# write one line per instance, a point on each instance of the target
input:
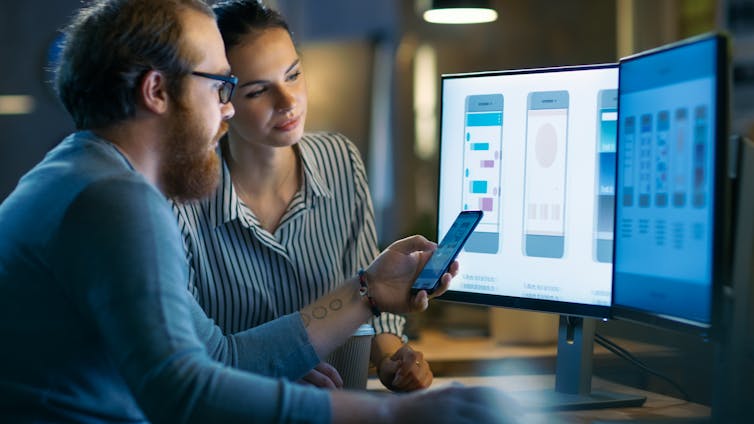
(292, 215)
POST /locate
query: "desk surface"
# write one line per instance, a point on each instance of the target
(483, 361)
(438, 346)
(657, 407)
(452, 356)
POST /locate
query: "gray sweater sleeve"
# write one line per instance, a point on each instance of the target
(278, 348)
(122, 264)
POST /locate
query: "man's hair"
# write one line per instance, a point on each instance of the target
(236, 18)
(108, 49)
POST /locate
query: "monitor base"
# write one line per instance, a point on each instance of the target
(551, 400)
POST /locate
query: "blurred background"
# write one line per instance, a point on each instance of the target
(373, 70)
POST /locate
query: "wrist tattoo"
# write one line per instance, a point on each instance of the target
(336, 304)
(319, 312)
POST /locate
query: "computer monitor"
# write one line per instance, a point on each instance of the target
(676, 209)
(673, 210)
(535, 150)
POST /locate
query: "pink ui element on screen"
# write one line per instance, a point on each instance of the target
(485, 204)
(487, 164)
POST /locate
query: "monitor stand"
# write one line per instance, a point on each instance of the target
(573, 374)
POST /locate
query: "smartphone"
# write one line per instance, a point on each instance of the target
(545, 174)
(607, 115)
(447, 251)
(482, 167)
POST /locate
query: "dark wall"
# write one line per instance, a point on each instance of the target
(27, 29)
(527, 34)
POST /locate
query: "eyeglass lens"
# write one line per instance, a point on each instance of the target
(226, 90)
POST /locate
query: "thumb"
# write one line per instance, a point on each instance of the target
(398, 353)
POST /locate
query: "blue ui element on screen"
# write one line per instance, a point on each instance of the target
(664, 216)
(484, 119)
(480, 146)
(482, 167)
(607, 117)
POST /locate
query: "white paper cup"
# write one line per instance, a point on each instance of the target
(352, 358)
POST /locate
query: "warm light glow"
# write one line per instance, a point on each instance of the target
(16, 104)
(425, 102)
(460, 15)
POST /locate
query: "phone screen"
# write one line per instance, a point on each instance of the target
(607, 115)
(482, 165)
(545, 174)
(446, 251)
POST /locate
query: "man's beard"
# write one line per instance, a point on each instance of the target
(190, 170)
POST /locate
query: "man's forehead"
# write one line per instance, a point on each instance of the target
(201, 35)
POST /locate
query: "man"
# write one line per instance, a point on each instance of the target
(96, 322)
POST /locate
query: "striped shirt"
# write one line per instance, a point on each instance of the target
(243, 276)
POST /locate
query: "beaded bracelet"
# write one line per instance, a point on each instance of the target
(364, 292)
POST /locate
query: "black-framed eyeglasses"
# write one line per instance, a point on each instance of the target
(226, 89)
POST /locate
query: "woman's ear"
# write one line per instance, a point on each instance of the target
(153, 91)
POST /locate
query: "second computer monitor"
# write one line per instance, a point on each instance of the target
(535, 150)
(673, 203)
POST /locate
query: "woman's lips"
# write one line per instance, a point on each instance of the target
(289, 124)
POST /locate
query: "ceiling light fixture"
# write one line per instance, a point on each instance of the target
(459, 12)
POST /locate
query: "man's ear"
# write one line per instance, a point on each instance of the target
(154, 92)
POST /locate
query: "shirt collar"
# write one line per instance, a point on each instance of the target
(313, 180)
(226, 205)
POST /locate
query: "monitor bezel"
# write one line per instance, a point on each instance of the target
(722, 210)
(483, 299)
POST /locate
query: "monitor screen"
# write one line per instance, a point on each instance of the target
(535, 150)
(672, 141)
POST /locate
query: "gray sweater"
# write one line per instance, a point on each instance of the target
(96, 321)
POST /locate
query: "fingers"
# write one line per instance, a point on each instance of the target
(453, 268)
(412, 376)
(442, 287)
(413, 244)
(404, 353)
(456, 405)
(502, 406)
(413, 372)
(395, 268)
(325, 380)
(420, 302)
(317, 379)
(330, 372)
(485, 404)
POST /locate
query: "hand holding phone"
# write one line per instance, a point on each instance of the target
(446, 252)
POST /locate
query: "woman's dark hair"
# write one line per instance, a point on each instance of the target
(237, 18)
(110, 46)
